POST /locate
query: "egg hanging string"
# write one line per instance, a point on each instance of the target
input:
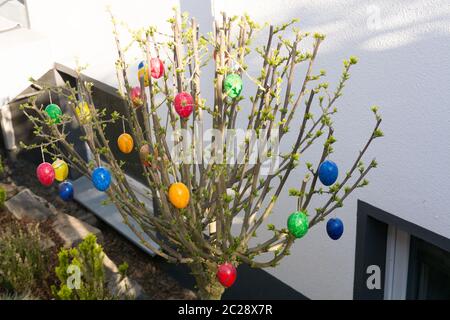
(233, 65)
(50, 96)
(42, 154)
(84, 111)
(240, 67)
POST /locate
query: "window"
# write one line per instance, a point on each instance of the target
(414, 263)
(429, 271)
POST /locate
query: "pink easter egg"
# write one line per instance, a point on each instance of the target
(136, 96)
(156, 68)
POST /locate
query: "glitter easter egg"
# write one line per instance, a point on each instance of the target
(156, 68)
(143, 72)
(179, 195)
(125, 143)
(184, 104)
(144, 153)
(298, 224)
(328, 172)
(61, 170)
(65, 190)
(101, 178)
(135, 96)
(233, 85)
(45, 174)
(335, 228)
(83, 112)
(226, 274)
(54, 112)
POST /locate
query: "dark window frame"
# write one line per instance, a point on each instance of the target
(367, 251)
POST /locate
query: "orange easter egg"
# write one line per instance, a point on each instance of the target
(179, 195)
(125, 143)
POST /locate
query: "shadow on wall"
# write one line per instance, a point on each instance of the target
(386, 24)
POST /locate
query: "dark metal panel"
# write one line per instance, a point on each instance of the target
(104, 97)
(254, 284)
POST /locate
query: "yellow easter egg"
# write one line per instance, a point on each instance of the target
(83, 112)
(61, 169)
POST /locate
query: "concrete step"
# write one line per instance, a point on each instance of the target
(91, 198)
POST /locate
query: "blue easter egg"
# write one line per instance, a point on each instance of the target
(65, 190)
(328, 172)
(335, 228)
(101, 178)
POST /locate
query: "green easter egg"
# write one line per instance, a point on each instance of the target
(298, 224)
(233, 85)
(54, 112)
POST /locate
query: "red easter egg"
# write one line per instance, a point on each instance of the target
(136, 96)
(156, 68)
(226, 274)
(184, 104)
(45, 173)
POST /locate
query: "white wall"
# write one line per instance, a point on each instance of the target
(23, 54)
(63, 31)
(82, 30)
(404, 67)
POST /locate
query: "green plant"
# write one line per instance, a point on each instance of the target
(123, 270)
(2, 196)
(2, 166)
(23, 259)
(15, 296)
(81, 272)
